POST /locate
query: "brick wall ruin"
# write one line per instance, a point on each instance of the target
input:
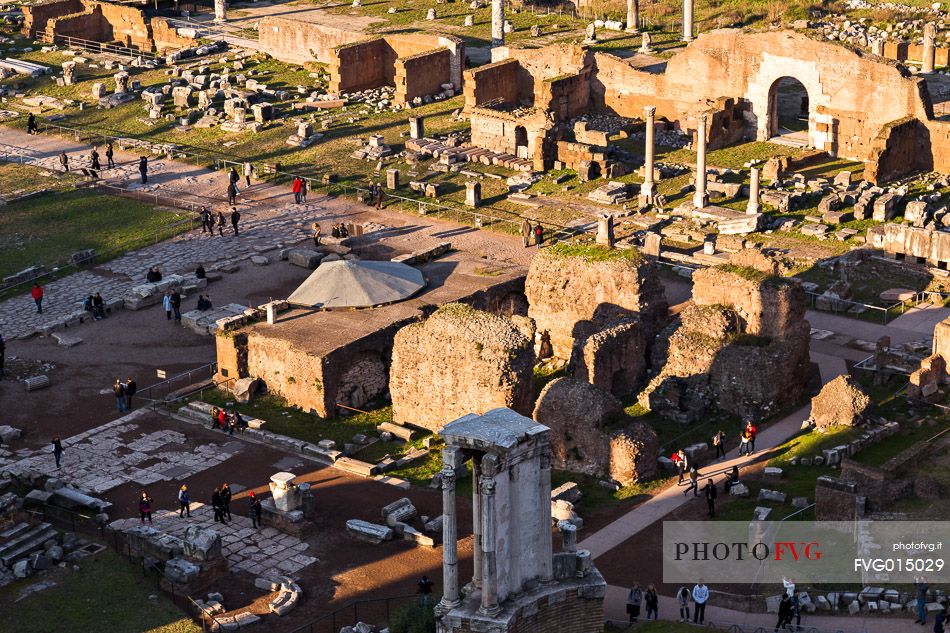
(925, 246)
(101, 22)
(417, 64)
(459, 361)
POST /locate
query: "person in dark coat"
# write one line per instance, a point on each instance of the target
(235, 218)
(57, 450)
(719, 441)
(652, 602)
(118, 389)
(221, 224)
(217, 507)
(143, 169)
(98, 307)
(200, 272)
(176, 304)
(232, 193)
(184, 501)
(110, 154)
(206, 224)
(145, 507)
(226, 501)
(130, 389)
(256, 510)
(64, 161)
(94, 160)
(710, 491)
(784, 613)
(234, 179)
(634, 599)
(538, 235)
(31, 124)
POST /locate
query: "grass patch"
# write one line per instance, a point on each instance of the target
(108, 595)
(595, 252)
(47, 229)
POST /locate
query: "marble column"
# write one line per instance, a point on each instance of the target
(487, 484)
(450, 572)
(687, 21)
(753, 206)
(497, 23)
(700, 198)
(545, 545)
(220, 10)
(930, 51)
(633, 16)
(476, 524)
(648, 188)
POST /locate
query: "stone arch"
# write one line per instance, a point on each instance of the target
(762, 90)
(521, 142)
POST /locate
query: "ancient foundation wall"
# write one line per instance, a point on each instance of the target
(932, 247)
(297, 42)
(88, 25)
(373, 58)
(421, 74)
(128, 24)
(288, 371)
(36, 16)
(905, 51)
(768, 306)
(565, 97)
(165, 36)
(497, 131)
(496, 82)
(902, 147)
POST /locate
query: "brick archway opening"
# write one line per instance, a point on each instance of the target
(789, 113)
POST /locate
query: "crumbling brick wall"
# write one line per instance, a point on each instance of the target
(421, 74)
(902, 147)
(36, 16)
(298, 42)
(492, 83)
(458, 361)
(370, 57)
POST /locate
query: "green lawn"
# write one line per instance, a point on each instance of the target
(49, 228)
(107, 595)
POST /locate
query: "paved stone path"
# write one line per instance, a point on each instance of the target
(269, 221)
(260, 552)
(123, 451)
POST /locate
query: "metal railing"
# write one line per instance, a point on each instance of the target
(331, 622)
(98, 47)
(887, 311)
(171, 388)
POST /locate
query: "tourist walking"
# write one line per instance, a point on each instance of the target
(296, 189)
(143, 169)
(682, 598)
(110, 153)
(379, 196)
(784, 613)
(184, 502)
(710, 491)
(232, 193)
(796, 608)
(634, 598)
(303, 190)
(3, 353)
(719, 441)
(920, 583)
(31, 124)
(525, 233)
(64, 161)
(652, 602)
(700, 596)
(235, 218)
(145, 507)
(205, 216)
(538, 235)
(682, 463)
(745, 442)
(693, 482)
(217, 506)
(167, 304)
(214, 417)
(94, 159)
(57, 450)
(37, 294)
(425, 589)
(256, 510)
(752, 431)
(175, 299)
(130, 389)
(226, 500)
(234, 179)
(119, 390)
(221, 223)
(316, 233)
(248, 171)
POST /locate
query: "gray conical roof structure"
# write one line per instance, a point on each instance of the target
(357, 284)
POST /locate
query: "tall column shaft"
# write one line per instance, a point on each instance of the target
(930, 53)
(753, 206)
(687, 21)
(220, 10)
(700, 199)
(648, 188)
(489, 563)
(450, 572)
(545, 551)
(497, 23)
(476, 525)
(633, 15)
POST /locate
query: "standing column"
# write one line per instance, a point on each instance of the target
(220, 10)
(545, 551)
(490, 604)
(633, 16)
(476, 524)
(497, 23)
(930, 52)
(450, 572)
(753, 206)
(700, 199)
(648, 188)
(687, 21)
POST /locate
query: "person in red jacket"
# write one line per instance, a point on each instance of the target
(750, 427)
(38, 297)
(298, 183)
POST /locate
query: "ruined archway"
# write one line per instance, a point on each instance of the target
(521, 142)
(789, 112)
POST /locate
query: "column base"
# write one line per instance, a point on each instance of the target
(490, 611)
(631, 29)
(752, 209)
(444, 606)
(687, 38)
(647, 193)
(701, 201)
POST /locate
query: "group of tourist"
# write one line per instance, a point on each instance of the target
(171, 303)
(220, 505)
(228, 421)
(123, 392)
(528, 232)
(96, 305)
(376, 194)
(299, 189)
(209, 220)
(638, 598)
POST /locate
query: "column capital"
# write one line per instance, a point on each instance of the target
(702, 118)
(448, 478)
(486, 486)
(649, 111)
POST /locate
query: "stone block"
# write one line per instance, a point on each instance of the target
(304, 257)
(367, 531)
(771, 495)
(180, 571)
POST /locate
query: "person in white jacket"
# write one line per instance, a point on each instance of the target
(167, 303)
(700, 596)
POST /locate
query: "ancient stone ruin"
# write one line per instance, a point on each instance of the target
(591, 434)
(742, 346)
(459, 360)
(517, 583)
(840, 402)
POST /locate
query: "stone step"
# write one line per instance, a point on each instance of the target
(356, 467)
(27, 543)
(13, 531)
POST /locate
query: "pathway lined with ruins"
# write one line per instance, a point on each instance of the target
(270, 221)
